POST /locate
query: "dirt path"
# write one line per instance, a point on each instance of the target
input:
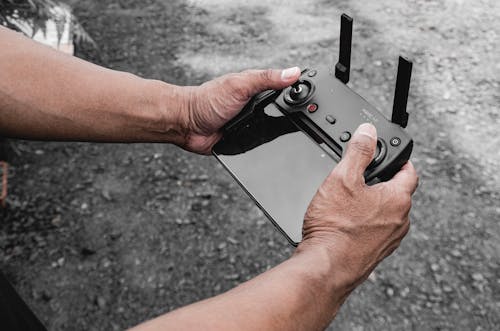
(445, 275)
(100, 237)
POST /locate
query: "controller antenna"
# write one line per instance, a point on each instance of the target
(399, 113)
(343, 67)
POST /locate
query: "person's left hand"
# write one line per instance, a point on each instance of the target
(214, 103)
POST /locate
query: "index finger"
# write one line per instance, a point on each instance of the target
(406, 179)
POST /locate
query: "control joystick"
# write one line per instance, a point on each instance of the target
(299, 93)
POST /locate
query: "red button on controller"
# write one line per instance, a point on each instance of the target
(312, 107)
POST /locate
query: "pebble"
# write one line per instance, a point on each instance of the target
(232, 240)
(232, 276)
(431, 161)
(56, 220)
(478, 277)
(101, 302)
(105, 194)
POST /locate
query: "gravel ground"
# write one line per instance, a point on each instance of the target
(102, 237)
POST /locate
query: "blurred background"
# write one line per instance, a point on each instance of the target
(104, 236)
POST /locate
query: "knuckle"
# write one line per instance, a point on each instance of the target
(363, 147)
(266, 75)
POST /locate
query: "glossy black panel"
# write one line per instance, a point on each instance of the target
(278, 165)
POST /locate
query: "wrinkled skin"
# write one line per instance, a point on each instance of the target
(359, 224)
(215, 102)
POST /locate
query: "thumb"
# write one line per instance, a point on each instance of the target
(256, 81)
(360, 151)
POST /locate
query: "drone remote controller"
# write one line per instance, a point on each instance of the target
(321, 106)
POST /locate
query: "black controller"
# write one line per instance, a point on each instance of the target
(264, 150)
(322, 105)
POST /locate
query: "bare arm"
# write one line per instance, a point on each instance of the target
(52, 96)
(299, 294)
(348, 229)
(47, 95)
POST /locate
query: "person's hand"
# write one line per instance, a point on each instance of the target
(215, 102)
(356, 224)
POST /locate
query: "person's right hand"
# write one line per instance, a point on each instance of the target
(357, 224)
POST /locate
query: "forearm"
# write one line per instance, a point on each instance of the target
(302, 293)
(45, 94)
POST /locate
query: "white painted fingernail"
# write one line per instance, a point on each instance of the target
(289, 73)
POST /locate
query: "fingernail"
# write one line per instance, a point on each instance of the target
(289, 73)
(367, 129)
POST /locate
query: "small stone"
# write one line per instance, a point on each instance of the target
(101, 302)
(431, 161)
(232, 277)
(232, 240)
(478, 277)
(160, 174)
(106, 263)
(390, 291)
(106, 195)
(222, 246)
(377, 63)
(56, 221)
(434, 267)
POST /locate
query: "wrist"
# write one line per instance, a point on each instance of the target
(324, 276)
(168, 117)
